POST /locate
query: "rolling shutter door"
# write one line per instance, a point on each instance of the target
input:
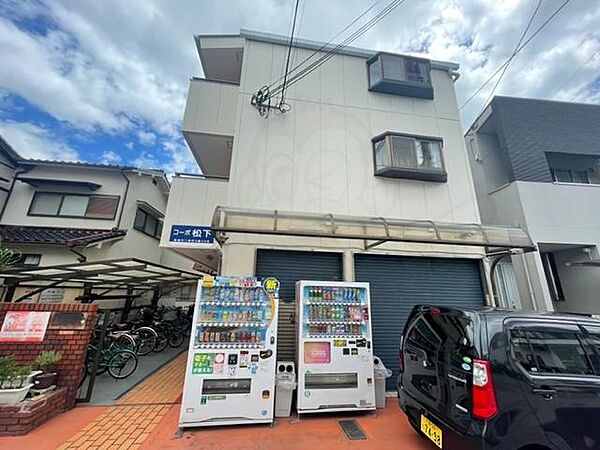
(289, 267)
(398, 283)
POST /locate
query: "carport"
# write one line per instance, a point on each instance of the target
(115, 279)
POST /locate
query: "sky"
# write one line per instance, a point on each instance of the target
(106, 80)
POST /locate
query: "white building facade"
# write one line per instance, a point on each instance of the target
(369, 138)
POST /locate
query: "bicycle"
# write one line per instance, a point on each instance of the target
(118, 362)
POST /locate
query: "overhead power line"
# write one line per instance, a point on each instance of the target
(328, 43)
(289, 54)
(339, 47)
(574, 74)
(514, 53)
(523, 45)
(262, 98)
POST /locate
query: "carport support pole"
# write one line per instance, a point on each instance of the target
(155, 297)
(128, 303)
(9, 292)
(96, 362)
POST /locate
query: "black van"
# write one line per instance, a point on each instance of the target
(501, 379)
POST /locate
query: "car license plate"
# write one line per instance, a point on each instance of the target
(432, 431)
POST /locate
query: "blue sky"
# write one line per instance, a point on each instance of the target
(105, 81)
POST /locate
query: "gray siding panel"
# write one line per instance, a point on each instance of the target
(289, 267)
(399, 283)
(528, 128)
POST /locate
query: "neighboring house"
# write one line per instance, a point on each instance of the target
(62, 212)
(536, 164)
(365, 178)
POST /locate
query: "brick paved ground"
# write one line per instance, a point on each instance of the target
(127, 424)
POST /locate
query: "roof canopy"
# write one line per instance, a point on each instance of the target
(373, 230)
(105, 274)
(16, 234)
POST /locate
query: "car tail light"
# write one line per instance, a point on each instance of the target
(483, 398)
(401, 354)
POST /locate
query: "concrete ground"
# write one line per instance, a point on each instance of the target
(107, 390)
(146, 418)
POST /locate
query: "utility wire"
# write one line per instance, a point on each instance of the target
(316, 52)
(330, 53)
(287, 64)
(574, 74)
(540, 28)
(514, 53)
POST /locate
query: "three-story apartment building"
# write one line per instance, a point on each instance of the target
(365, 177)
(536, 164)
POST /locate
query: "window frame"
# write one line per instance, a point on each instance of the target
(142, 229)
(73, 194)
(549, 325)
(410, 173)
(380, 56)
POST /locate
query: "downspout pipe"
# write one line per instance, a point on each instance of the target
(127, 182)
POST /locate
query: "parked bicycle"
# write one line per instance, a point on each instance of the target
(119, 363)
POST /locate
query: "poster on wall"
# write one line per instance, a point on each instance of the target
(24, 326)
(53, 295)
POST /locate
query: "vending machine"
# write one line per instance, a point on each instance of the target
(230, 372)
(335, 351)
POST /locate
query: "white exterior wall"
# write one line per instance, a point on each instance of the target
(318, 157)
(210, 107)
(21, 196)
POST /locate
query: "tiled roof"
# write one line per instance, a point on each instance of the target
(15, 234)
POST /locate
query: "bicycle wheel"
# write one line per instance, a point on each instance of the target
(122, 364)
(176, 339)
(162, 341)
(146, 339)
(125, 342)
(89, 361)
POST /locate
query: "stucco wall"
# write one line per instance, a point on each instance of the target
(318, 156)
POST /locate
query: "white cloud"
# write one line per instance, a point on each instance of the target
(32, 140)
(146, 137)
(124, 66)
(110, 157)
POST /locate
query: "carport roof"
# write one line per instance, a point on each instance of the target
(105, 274)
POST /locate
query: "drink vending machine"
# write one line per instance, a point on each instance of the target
(230, 372)
(334, 352)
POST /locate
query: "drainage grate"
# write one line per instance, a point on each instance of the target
(352, 430)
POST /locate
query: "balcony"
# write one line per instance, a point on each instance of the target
(209, 124)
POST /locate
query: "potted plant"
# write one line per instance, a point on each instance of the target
(14, 384)
(46, 360)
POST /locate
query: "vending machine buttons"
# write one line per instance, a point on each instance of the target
(232, 359)
(354, 351)
(346, 351)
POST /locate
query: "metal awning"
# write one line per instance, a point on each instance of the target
(372, 230)
(106, 274)
(44, 182)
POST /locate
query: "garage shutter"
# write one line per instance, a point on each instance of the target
(398, 283)
(289, 267)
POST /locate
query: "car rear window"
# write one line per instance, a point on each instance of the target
(549, 351)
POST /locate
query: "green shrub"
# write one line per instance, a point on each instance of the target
(47, 358)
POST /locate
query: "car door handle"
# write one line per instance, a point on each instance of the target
(547, 393)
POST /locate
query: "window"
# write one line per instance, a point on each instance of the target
(549, 351)
(401, 156)
(400, 75)
(147, 223)
(552, 277)
(574, 168)
(74, 205)
(594, 340)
